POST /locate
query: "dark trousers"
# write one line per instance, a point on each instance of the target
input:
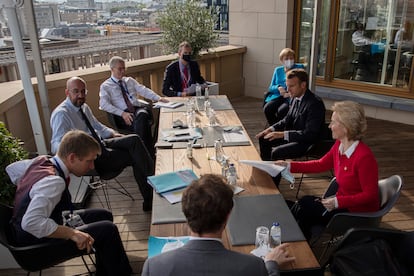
(310, 212)
(279, 149)
(111, 258)
(141, 126)
(275, 110)
(128, 150)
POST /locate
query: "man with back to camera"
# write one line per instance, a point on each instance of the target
(119, 94)
(42, 195)
(118, 151)
(181, 75)
(300, 128)
(207, 204)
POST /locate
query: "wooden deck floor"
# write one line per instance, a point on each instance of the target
(392, 144)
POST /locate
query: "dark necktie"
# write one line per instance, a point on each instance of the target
(295, 107)
(130, 107)
(184, 81)
(91, 129)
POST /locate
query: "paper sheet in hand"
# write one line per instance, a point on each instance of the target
(268, 166)
(171, 181)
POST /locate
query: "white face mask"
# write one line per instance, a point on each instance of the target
(289, 63)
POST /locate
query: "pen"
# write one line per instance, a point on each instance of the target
(324, 213)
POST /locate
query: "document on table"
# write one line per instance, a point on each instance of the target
(171, 181)
(168, 104)
(236, 136)
(177, 135)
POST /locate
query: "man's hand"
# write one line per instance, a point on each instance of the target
(280, 254)
(274, 135)
(83, 240)
(263, 133)
(163, 100)
(128, 118)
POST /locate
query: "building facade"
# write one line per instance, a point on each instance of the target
(380, 69)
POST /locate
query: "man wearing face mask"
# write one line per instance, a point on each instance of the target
(276, 101)
(181, 76)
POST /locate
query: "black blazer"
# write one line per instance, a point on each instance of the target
(172, 78)
(309, 122)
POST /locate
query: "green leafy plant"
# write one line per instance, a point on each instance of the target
(11, 151)
(188, 21)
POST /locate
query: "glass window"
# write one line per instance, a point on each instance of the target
(374, 40)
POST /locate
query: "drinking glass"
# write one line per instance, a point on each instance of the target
(262, 237)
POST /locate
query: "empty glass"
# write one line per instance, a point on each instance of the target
(191, 119)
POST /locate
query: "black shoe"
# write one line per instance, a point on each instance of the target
(147, 206)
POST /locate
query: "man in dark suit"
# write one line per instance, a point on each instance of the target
(207, 204)
(300, 128)
(181, 75)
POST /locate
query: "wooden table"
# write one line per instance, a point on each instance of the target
(254, 181)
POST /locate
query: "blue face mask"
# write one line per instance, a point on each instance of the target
(187, 58)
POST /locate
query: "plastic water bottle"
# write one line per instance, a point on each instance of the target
(232, 175)
(206, 93)
(189, 151)
(275, 235)
(198, 90)
(218, 147)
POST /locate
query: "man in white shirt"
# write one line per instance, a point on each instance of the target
(119, 94)
(118, 151)
(42, 195)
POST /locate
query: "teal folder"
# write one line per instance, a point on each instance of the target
(171, 181)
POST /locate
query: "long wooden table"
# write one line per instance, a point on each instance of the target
(254, 181)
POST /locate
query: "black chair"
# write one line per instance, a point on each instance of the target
(102, 181)
(35, 257)
(326, 237)
(401, 244)
(317, 150)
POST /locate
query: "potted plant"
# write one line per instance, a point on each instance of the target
(188, 21)
(11, 151)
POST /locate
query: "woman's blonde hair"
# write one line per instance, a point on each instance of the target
(286, 52)
(352, 116)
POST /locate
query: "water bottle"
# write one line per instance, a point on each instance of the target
(218, 147)
(232, 175)
(198, 90)
(206, 93)
(189, 151)
(275, 235)
(224, 167)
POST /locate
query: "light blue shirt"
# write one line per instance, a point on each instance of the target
(67, 117)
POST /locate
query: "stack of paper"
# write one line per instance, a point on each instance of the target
(168, 104)
(177, 135)
(171, 185)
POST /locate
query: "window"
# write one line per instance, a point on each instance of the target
(372, 41)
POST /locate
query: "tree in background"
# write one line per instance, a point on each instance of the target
(189, 21)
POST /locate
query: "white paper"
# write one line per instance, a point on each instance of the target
(173, 196)
(176, 135)
(268, 166)
(168, 105)
(235, 136)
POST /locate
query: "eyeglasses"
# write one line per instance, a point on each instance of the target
(78, 92)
